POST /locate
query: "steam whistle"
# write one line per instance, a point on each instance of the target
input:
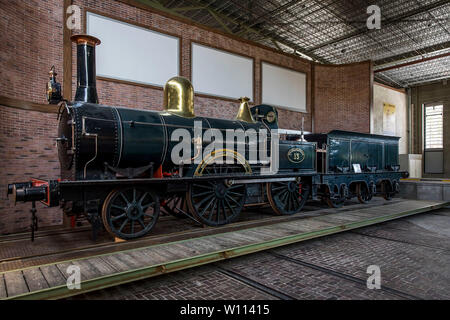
(303, 131)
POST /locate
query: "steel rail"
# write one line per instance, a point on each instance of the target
(342, 275)
(153, 239)
(194, 261)
(254, 284)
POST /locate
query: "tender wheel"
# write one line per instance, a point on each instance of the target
(287, 198)
(214, 203)
(130, 213)
(387, 191)
(175, 205)
(364, 196)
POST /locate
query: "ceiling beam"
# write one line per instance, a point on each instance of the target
(413, 62)
(388, 81)
(219, 20)
(392, 21)
(288, 43)
(268, 35)
(428, 81)
(412, 54)
(273, 12)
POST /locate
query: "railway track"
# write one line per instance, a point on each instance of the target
(125, 262)
(362, 282)
(279, 294)
(41, 234)
(254, 284)
(39, 256)
(85, 227)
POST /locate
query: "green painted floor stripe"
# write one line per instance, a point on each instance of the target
(154, 270)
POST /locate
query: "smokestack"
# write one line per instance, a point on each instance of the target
(86, 73)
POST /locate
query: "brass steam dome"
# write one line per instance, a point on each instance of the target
(179, 97)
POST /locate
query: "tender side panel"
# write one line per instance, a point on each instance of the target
(338, 154)
(391, 154)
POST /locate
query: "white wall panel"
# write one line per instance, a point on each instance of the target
(219, 73)
(132, 53)
(283, 87)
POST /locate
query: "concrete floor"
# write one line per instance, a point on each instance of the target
(413, 255)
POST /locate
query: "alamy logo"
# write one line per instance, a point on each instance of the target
(74, 20)
(374, 20)
(197, 147)
(374, 280)
(74, 279)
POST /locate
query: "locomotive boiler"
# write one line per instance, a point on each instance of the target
(118, 167)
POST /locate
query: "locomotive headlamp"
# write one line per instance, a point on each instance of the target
(179, 97)
(53, 88)
(271, 117)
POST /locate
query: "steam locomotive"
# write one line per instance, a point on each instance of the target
(117, 165)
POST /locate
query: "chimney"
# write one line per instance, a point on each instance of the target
(86, 73)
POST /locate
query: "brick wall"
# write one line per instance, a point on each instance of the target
(31, 34)
(140, 97)
(342, 97)
(31, 41)
(27, 150)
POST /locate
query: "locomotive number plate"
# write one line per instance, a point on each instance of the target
(296, 155)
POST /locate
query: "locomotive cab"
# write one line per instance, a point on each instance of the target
(267, 115)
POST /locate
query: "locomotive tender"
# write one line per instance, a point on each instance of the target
(117, 169)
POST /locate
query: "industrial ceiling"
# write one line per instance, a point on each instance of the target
(411, 47)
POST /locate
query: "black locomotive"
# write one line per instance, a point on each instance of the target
(118, 168)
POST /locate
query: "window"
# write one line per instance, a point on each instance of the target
(283, 88)
(132, 53)
(221, 73)
(434, 121)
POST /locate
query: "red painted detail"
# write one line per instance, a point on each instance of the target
(158, 173)
(169, 174)
(72, 222)
(40, 183)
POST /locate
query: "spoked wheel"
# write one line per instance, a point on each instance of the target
(175, 205)
(130, 213)
(364, 196)
(214, 203)
(217, 202)
(288, 197)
